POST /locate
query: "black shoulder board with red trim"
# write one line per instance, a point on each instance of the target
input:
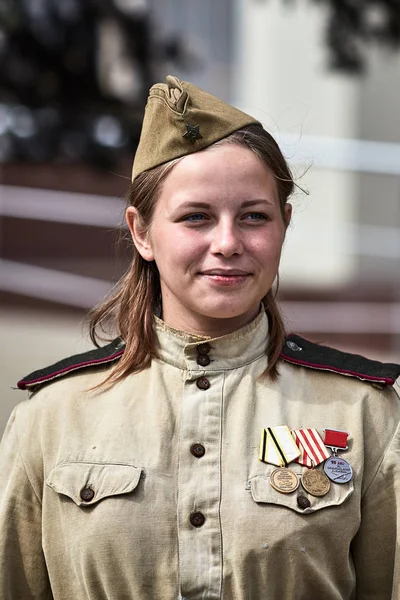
(299, 351)
(94, 358)
(296, 350)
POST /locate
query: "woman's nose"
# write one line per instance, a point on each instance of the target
(226, 240)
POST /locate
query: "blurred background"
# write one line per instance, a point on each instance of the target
(322, 76)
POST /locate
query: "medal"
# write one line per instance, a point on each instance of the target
(312, 453)
(337, 469)
(278, 447)
(284, 480)
(315, 482)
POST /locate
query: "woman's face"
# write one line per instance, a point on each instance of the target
(216, 237)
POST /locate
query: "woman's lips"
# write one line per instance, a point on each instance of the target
(228, 278)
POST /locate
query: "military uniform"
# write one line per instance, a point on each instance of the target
(154, 489)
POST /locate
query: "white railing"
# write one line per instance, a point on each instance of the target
(84, 292)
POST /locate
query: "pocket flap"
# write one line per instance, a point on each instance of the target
(262, 491)
(87, 483)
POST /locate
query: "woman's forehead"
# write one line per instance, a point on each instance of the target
(229, 166)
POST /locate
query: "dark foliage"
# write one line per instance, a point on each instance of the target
(355, 25)
(52, 104)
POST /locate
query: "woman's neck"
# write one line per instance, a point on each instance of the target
(207, 327)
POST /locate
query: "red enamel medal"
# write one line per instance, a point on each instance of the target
(336, 468)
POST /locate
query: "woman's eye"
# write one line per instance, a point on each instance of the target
(256, 217)
(195, 218)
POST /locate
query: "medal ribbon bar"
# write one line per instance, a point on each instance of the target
(336, 439)
(312, 448)
(277, 446)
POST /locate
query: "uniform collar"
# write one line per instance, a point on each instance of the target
(236, 349)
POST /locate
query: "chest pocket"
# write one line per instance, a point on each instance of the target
(262, 492)
(87, 483)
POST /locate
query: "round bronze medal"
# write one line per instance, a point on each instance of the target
(338, 469)
(315, 482)
(284, 480)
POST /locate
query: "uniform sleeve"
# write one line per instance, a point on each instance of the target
(23, 574)
(376, 547)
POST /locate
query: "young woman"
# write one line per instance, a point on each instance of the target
(202, 454)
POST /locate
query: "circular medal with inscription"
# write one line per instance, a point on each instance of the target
(315, 482)
(338, 470)
(284, 480)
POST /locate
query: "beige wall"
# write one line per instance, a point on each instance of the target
(281, 77)
(29, 341)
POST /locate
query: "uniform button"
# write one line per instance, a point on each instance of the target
(203, 383)
(204, 348)
(197, 519)
(303, 502)
(197, 450)
(87, 494)
(203, 360)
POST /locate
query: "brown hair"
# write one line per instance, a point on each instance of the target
(130, 306)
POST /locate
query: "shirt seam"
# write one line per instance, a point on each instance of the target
(385, 453)
(102, 463)
(23, 462)
(221, 552)
(179, 510)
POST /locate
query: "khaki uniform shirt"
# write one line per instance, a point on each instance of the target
(158, 522)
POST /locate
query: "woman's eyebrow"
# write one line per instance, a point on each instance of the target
(206, 205)
(257, 201)
(194, 204)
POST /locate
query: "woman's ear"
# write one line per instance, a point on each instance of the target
(140, 236)
(288, 213)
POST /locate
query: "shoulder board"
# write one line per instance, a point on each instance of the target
(304, 353)
(94, 358)
(296, 350)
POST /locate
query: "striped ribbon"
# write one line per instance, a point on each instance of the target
(277, 446)
(312, 448)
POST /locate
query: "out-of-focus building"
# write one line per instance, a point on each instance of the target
(340, 275)
(341, 268)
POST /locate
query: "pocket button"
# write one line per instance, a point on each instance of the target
(303, 502)
(87, 494)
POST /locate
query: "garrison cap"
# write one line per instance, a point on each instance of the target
(181, 119)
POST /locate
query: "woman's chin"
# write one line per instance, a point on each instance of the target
(224, 312)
